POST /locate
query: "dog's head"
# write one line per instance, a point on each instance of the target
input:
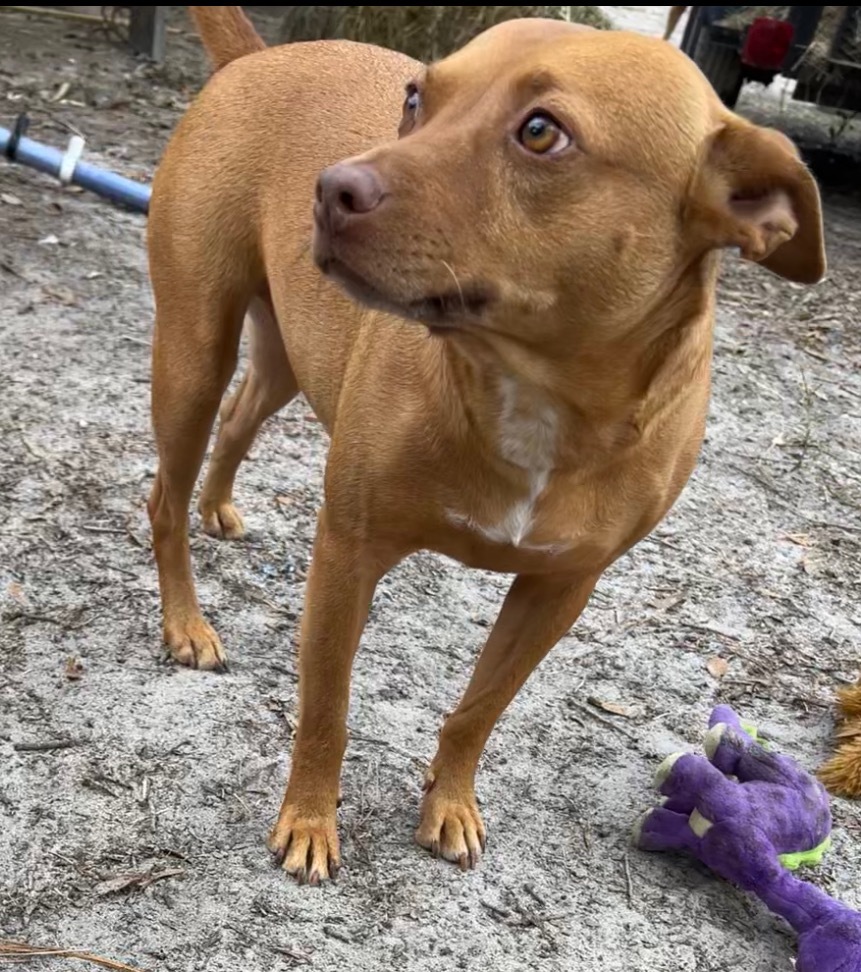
(550, 178)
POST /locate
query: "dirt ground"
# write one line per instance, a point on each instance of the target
(143, 840)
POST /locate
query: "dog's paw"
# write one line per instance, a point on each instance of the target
(451, 827)
(307, 848)
(196, 645)
(223, 521)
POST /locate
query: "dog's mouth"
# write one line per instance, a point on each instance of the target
(449, 310)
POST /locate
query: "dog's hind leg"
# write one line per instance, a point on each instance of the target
(194, 356)
(267, 386)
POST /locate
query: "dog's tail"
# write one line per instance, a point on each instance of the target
(226, 32)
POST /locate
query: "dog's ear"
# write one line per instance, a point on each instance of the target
(753, 192)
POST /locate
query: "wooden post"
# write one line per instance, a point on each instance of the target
(147, 31)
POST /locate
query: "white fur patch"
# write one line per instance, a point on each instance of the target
(528, 433)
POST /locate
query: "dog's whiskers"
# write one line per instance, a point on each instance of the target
(456, 283)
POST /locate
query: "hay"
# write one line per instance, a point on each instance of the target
(425, 33)
(742, 16)
(818, 54)
(821, 48)
(841, 775)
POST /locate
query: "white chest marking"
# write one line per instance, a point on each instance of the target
(528, 432)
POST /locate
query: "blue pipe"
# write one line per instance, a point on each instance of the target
(117, 189)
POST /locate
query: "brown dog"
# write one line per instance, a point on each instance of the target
(511, 349)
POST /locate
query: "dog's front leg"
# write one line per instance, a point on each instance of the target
(537, 611)
(340, 588)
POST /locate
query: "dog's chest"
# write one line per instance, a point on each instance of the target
(527, 436)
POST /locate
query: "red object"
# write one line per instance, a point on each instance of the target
(767, 43)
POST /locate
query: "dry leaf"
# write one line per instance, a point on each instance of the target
(16, 591)
(717, 667)
(115, 885)
(73, 670)
(814, 563)
(668, 603)
(61, 92)
(63, 295)
(799, 539)
(612, 707)
(772, 594)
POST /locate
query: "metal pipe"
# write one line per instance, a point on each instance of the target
(117, 189)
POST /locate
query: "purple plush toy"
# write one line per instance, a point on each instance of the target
(753, 816)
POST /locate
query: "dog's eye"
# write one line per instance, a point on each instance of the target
(412, 104)
(542, 135)
(413, 100)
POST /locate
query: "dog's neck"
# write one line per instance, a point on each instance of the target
(541, 411)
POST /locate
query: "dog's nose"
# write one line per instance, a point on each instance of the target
(345, 191)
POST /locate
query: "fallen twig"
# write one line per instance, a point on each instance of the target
(136, 882)
(136, 540)
(45, 747)
(629, 884)
(110, 531)
(291, 953)
(373, 741)
(37, 618)
(15, 951)
(605, 722)
(97, 20)
(711, 629)
(496, 912)
(522, 917)
(58, 14)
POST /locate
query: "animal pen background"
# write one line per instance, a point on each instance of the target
(136, 830)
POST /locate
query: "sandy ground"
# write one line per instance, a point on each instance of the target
(143, 840)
